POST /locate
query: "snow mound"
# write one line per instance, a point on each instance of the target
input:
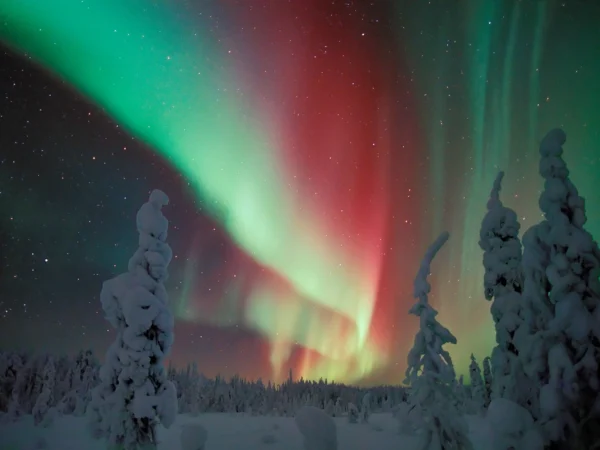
(318, 429)
(512, 426)
(409, 418)
(167, 405)
(193, 436)
(268, 439)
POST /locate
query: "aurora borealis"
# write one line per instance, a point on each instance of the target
(326, 144)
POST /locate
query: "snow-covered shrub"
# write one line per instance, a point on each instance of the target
(134, 393)
(352, 413)
(193, 436)
(430, 372)
(317, 428)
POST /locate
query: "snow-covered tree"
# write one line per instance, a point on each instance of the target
(195, 390)
(10, 366)
(503, 285)
(45, 400)
(352, 413)
(84, 391)
(5, 382)
(365, 410)
(562, 264)
(19, 390)
(37, 376)
(477, 386)
(487, 379)
(63, 366)
(134, 393)
(430, 371)
(499, 239)
(461, 399)
(338, 409)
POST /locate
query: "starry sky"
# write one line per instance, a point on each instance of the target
(312, 150)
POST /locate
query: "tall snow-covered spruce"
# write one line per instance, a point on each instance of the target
(562, 265)
(487, 379)
(430, 372)
(134, 394)
(477, 387)
(503, 285)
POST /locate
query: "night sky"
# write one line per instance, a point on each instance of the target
(311, 150)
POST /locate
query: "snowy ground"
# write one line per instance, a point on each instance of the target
(226, 432)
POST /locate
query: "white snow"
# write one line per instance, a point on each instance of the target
(193, 436)
(228, 431)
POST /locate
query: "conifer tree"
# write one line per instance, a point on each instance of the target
(503, 285)
(134, 393)
(487, 379)
(477, 386)
(46, 399)
(561, 261)
(430, 371)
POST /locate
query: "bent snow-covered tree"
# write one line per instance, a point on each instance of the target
(503, 284)
(134, 393)
(562, 265)
(430, 372)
